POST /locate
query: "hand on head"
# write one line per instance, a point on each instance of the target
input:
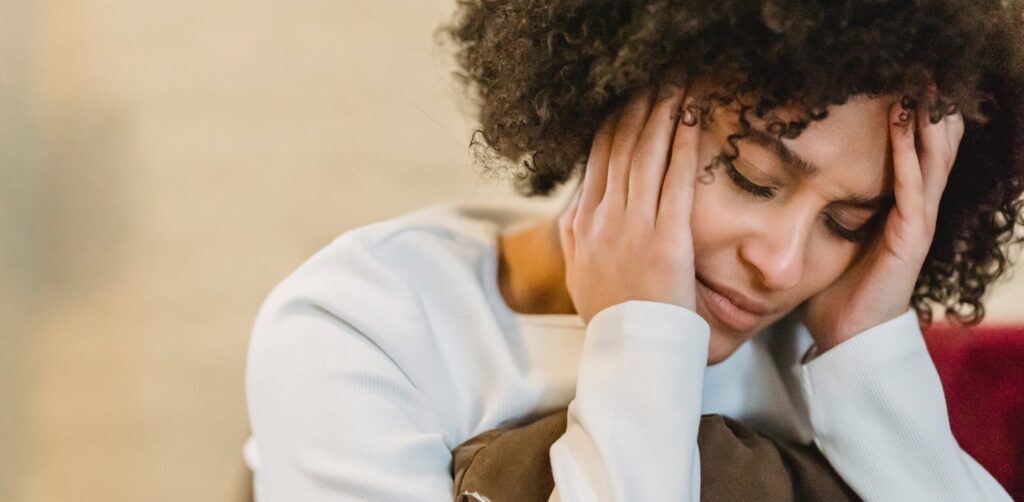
(626, 230)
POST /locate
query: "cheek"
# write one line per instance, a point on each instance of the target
(713, 222)
(719, 214)
(723, 220)
(828, 263)
(710, 217)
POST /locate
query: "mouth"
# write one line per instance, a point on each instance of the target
(726, 311)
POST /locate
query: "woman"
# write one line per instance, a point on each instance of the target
(774, 194)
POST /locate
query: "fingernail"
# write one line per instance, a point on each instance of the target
(691, 112)
(908, 104)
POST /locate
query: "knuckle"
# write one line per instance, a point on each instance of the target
(570, 212)
(565, 224)
(665, 256)
(658, 252)
(601, 231)
(639, 161)
(578, 226)
(608, 211)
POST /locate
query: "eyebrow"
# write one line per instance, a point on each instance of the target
(789, 158)
(802, 168)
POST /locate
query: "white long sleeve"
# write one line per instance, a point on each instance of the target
(336, 419)
(392, 346)
(879, 415)
(632, 427)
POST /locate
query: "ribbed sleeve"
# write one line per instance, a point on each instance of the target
(337, 402)
(336, 419)
(632, 426)
(879, 415)
(391, 346)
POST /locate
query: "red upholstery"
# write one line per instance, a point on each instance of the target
(982, 373)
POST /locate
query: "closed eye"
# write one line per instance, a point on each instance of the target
(858, 235)
(761, 192)
(745, 184)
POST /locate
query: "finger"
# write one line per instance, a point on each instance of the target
(565, 225)
(573, 201)
(908, 184)
(627, 134)
(955, 130)
(931, 137)
(676, 199)
(933, 152)
(595, 175)
(651, 157)
(954, 134)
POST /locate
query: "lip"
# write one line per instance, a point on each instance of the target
(737, 298)
(730, 307)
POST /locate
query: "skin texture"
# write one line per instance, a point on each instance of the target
(779, 252)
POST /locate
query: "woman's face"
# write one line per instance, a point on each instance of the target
(791, 239)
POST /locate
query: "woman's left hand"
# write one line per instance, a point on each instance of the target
(879, 285)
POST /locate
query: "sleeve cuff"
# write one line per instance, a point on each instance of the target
(878, 412)
(643, 364)
(642, 324)
(888, 340)
(888, 359)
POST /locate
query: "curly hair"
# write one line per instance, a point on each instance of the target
(544, 74)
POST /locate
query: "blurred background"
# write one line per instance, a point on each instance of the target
(164, 165)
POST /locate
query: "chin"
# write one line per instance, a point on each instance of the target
(723, 342)
(722, 346)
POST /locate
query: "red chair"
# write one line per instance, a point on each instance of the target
(982, 373)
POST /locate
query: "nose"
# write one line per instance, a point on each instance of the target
(777, 250)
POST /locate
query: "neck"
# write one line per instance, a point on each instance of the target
(531, 270)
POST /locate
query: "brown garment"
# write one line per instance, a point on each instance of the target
(511, 463)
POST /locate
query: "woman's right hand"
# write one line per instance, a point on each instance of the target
(626, 232)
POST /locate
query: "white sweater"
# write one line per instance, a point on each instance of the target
(393, 345)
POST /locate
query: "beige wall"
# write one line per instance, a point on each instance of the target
(180, 158)
(196, 152)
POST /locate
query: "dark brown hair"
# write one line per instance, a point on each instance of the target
(544, 74)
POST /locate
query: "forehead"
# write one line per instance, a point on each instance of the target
(849, 150)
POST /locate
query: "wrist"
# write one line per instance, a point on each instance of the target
(829, 337)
